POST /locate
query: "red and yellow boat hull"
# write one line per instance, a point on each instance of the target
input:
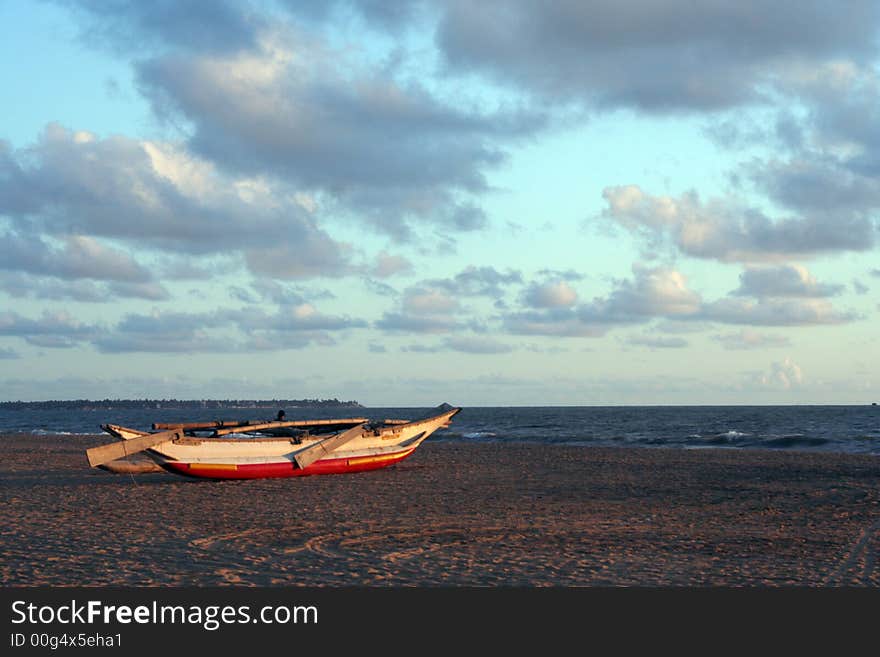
(284, 468)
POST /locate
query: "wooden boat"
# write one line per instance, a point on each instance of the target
(259, 449)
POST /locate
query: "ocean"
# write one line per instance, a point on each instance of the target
(846, 429)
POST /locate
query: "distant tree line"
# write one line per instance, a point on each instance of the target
(79, 404)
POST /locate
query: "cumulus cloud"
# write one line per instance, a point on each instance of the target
(426, 301)
(555, 322)
(76, 257)
(658, 291)
(390, 265)
(295, 109)
(150, 195)
(749, 339)
(19, 285)
(657, 57)
(816, 182)
(302, 317)
(222, 331)
(53, 329)
(725, 230)
(166, 332)
(775, 312)
(556, 294)
(245, 329)
(783, 281)
(663, 293)
(832, 170)
(434, 305)
(482, 281)
(786, 374)
(653, 292)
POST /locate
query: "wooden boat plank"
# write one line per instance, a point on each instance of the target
(106, 453)
(319, 450)
(289, 423)
(230, 426)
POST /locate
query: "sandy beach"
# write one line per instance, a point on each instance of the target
(451, 515)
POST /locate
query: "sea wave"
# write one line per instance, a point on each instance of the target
(733, 434)
(478, 435)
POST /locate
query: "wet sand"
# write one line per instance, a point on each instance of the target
(451, 515)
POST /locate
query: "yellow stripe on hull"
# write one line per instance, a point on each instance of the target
(361, 460)
(208, 467)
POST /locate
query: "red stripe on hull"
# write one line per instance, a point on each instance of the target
(284, 468)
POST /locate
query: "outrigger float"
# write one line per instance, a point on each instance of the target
(259, 449)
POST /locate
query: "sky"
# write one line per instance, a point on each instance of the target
(423, 201)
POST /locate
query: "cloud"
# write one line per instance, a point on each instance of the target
(74, 183)
(422, 348)
(783, 281)
(785, 374)
(391, 265)
(379, 288)
(463, 344)
(424, 301)
(831, 170)
(8, 354)
(22, 285)
(433, 306)
(674, 56)
(653, 292)
(556, 322)
(474, 281)
(558, 294)
(819, 183)
(74, 267)
(385, 15)
(748, 339)
(314, 254)
(244, 329)
(394, 321)
(295, 109)
(203, 25)
(166, 332)
(477, 345)
(561, 274)
(656, 57)
(726, 231)
(152, 291)
(658, 291)
(53, 329)
(656, 342)
(775, 312)
(77, 257)
(662, 292)
(302, 317)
